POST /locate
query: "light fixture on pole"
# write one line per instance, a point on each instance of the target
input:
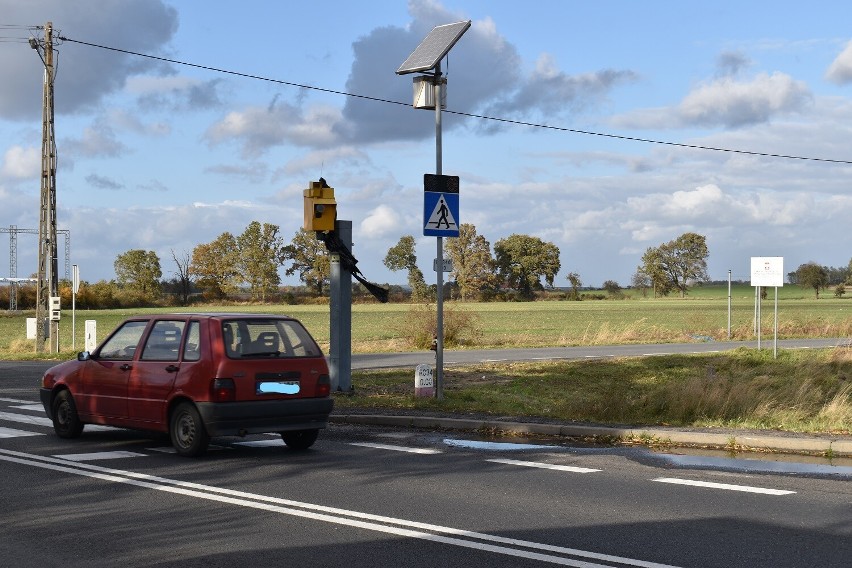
(427, 57)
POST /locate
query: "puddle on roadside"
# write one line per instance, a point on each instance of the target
(757, 461)
(495, 446)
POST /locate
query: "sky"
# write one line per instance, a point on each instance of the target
(162, 156)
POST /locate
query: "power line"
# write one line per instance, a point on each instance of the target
(466, 114)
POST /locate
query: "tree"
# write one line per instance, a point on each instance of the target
(613, 289)
(184, 276)
(673, 265)
(522, 261)
(574, 280)
(812, 275)
(641, 281)
(214, 266)
(401, 256)
(310, 259)
(139, 270)
(260, 253)
(473, 265)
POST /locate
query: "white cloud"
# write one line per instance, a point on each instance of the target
(840, 70)
(727, 102)
(732, 103)
(280, 123)
(19, 162)
(380, 222)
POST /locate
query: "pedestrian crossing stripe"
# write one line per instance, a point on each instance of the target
(15, 433)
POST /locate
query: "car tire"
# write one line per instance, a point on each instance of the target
(187, 431)
(66, 421)
(300, 439)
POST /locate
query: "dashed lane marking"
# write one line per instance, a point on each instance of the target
(569, 468)
(726, 486)
(396, 448)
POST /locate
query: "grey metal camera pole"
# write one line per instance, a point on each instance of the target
(439, 343)
(340, 304)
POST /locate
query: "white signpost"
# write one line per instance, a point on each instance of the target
(766, 271)
(75, 287)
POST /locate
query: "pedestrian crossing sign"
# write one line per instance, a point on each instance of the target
(441, 208)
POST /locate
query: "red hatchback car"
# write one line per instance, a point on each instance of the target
(196, 376)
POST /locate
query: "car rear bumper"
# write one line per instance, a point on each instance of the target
(240, 418)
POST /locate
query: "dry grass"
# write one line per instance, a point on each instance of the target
(802, 391)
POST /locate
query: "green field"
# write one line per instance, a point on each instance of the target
(388, 327)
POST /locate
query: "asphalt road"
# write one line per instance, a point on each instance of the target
(472, 356)
(370, 496)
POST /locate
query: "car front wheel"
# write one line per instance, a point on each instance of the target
(189, 437)
(300, 439)
(66, 422)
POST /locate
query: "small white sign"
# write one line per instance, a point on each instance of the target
(424, 381)
(446, 265)
(767, 271)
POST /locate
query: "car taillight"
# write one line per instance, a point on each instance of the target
(223, 390)
(323, 385)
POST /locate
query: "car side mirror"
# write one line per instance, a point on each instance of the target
(83, 356)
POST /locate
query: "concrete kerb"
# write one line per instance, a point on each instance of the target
(837, 446)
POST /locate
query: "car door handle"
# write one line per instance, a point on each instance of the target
(172, 369)
(125, 367)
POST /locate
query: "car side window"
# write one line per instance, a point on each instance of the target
(122, 345)
(164, 341)
(192, 348)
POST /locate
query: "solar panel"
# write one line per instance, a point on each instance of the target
(433, 48)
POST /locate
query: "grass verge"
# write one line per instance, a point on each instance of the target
(800, 391)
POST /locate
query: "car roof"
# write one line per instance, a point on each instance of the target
(213, 315)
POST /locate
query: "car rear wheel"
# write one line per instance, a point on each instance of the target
(300, 439)
(66, 422)
(189, 437)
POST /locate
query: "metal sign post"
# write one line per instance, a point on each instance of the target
(75, 287)
(767, 271)
(427, 57)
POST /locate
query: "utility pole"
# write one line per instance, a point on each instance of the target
(48, 285)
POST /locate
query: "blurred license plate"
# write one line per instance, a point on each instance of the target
(278, 387)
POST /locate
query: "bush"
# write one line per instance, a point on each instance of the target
(419, 327)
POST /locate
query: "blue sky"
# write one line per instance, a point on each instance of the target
(163, 157)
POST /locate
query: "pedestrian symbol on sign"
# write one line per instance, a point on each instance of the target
(442, 217)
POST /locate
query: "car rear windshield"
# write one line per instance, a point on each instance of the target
(263, 338)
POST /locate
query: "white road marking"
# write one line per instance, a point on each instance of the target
(44, 421)
(396, 448)
(569, 468)
(12, 433)
(387, 525)
(92, 456)
(33, 407)
(726, 486)
(16, 400)
(26, 419)
(261, 443)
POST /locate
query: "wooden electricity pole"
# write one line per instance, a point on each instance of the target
(48, 285)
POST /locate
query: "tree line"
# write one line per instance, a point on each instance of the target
(246, 267)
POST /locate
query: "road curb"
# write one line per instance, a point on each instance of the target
(835, 446)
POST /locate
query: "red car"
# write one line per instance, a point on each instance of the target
(196, 376)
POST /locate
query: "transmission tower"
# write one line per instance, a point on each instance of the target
(48, 285)
(14, 231)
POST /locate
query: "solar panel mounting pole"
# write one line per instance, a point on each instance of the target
(439, 296)
(427, 57)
